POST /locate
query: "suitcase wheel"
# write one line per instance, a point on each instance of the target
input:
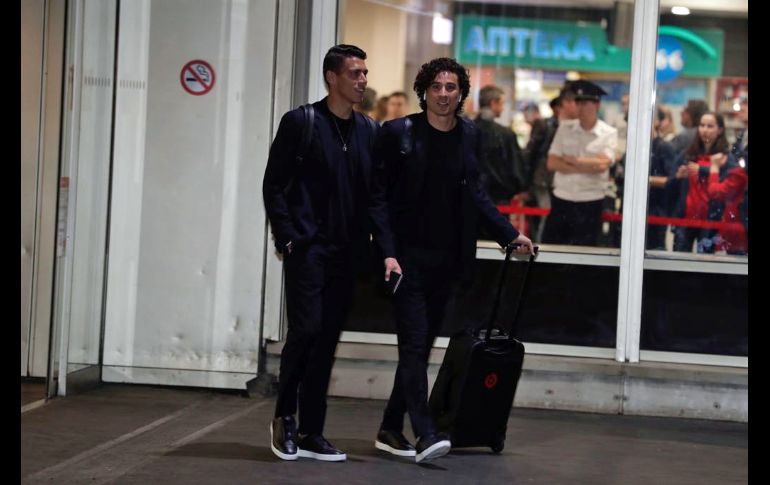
(497, 447)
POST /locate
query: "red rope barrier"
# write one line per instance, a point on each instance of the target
(615, 217)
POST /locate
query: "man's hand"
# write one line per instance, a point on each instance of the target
(604, 162)
(525, 245)
(592, 164)
(391, 265)
(522, 196)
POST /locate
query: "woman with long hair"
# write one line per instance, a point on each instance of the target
(693, 172)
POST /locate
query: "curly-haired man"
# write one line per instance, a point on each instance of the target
(434, 201)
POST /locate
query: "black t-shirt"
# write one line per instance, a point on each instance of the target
(440, 198)
(343, 217)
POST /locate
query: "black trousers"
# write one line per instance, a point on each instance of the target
(576, 223)
(319, 289)
(419, 306)
(685, 236)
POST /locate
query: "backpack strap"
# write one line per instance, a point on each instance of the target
(308, 112)
(307, 132)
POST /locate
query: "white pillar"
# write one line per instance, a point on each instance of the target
(641, 107)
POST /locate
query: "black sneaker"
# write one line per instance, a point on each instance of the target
(316, 446)
(394, 442)
(432, 446)
(283, 437)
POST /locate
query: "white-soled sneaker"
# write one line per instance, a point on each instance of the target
(432, 446)
(317, 447)
(394, 442)
(283, 436)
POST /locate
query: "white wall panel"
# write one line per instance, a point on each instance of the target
(184, 288)
(128, 169)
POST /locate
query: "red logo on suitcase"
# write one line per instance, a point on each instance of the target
(491, 380)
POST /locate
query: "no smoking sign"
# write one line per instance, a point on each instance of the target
(197, 77)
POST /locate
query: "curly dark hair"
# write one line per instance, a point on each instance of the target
(428, 73)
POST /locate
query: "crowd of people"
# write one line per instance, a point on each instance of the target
(578, 175)
(573, 165)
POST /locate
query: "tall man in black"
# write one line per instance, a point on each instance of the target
(435, 200)
(318, 205)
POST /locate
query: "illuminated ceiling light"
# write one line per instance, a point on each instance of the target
(736, 106)
(442, 29)
(680, 10)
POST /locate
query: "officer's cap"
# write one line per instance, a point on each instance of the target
(586, 90)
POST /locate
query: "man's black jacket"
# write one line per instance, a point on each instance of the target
(297, 196)
(404, 159)
(501, 165)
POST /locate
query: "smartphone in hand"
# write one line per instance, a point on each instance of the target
(392, 284)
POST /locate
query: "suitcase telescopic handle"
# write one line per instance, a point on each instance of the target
(508, 252)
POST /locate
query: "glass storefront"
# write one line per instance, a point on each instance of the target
(530, 52)
(170, 265)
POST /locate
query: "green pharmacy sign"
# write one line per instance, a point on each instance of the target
(580, 46)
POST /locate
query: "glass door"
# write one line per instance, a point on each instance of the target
(84, 194)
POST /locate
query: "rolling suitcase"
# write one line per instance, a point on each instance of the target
(473, 393)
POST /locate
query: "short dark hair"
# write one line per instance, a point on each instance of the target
(555, 103)
(696, 108)
(335, 58)
(430, 70)
(399, 93)
(489, 93)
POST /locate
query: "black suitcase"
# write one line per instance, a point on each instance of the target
(473, 393)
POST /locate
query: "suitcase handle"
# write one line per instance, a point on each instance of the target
(508, 252)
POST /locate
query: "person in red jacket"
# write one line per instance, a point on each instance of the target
(730, 191)
(694, 200)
